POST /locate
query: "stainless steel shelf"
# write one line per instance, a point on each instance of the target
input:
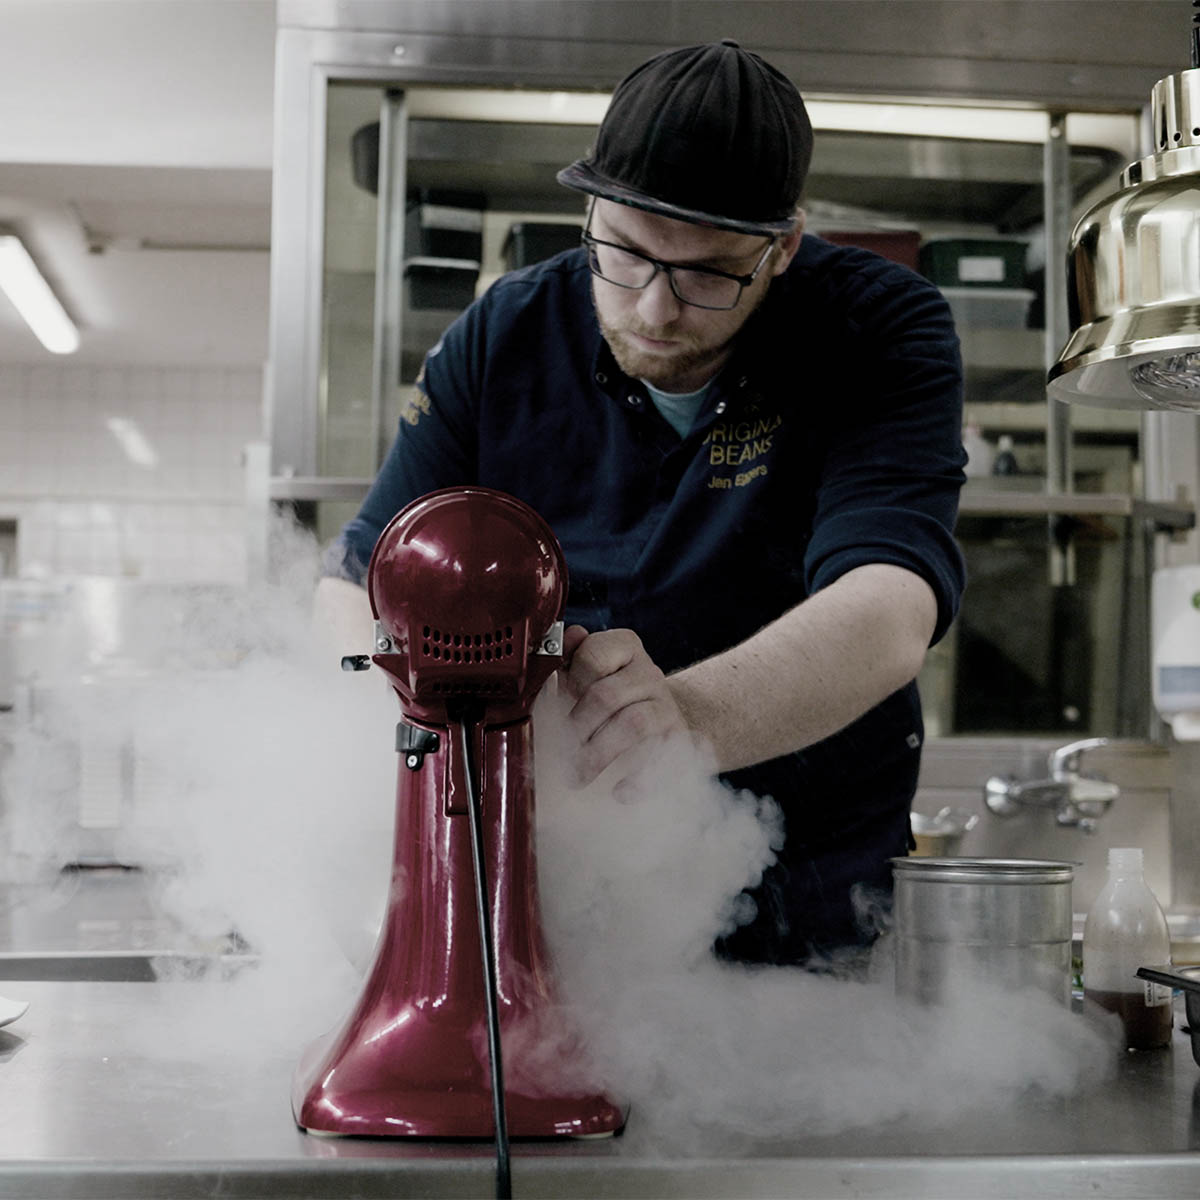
(318, 487)
(1002, 502)
(998, 502)
(1006, 416)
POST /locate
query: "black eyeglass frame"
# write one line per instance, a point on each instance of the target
(743, 281)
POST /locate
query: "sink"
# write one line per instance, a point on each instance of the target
(115, 966)
(104, 925)
(119, 966)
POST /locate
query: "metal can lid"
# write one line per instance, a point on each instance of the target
(990, 870)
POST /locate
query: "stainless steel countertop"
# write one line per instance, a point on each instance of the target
(97, 1100)
(116, 1083)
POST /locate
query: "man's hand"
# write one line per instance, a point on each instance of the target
(622, 701)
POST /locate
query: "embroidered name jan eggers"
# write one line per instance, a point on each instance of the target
(739, 450)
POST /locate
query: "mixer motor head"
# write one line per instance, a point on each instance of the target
(468, 585)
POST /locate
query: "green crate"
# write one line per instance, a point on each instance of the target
(974, 262)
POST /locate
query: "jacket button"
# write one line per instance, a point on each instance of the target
(721, 407)
(633, 401)
(601, 378)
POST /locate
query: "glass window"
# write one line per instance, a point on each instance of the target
(960, 201)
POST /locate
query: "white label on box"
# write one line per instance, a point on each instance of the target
(980, 268)
(440, 216)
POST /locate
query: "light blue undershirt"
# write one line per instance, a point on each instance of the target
(679, 409)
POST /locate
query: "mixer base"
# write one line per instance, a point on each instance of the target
(436, 1117)
(355, 1093)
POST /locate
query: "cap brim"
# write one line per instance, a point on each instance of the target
(580, 176)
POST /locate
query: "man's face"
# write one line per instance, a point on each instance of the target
(655, 336)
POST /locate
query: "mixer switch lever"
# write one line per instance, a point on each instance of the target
(414, 744)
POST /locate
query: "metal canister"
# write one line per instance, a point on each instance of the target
(1001, 922)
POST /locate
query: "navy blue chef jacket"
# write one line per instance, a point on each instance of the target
(832, 438)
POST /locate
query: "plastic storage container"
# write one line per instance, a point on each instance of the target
(443, 231)
(989, 308)
(973, 262)
(440, 283)
(900, 245)
(364, 157)
(1124, 931)
(532, 241)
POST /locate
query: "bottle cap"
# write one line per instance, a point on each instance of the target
(1125, 858)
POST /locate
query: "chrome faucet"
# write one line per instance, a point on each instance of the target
(1078, 800)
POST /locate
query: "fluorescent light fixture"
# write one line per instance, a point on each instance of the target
(25, 286)
(876, 114)
(507, 104)
(133, 441)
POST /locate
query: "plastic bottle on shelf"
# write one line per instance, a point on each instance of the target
(981, 454)
(1005, 462)
(1126, 929)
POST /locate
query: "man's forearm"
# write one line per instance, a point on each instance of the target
(813, 670)
(806, 675)
(341, 619)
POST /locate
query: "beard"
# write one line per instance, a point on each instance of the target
(688, 356)
(691, 361)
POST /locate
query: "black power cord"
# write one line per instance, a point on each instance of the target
(487, 952)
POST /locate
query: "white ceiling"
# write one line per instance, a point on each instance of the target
(135, 161)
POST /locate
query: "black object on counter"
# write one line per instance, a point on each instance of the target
(1186, 980)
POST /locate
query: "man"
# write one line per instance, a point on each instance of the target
(748, 443)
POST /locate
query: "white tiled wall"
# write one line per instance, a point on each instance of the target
(168, 506)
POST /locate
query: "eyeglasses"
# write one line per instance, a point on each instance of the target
(701, 287)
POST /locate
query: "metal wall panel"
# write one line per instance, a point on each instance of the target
(953, 771)
(1062, 53)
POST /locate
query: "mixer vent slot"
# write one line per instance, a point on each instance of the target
(443, 646)
(469, 689)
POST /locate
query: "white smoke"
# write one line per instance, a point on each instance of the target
(271, 815)
(639, 880)
(261, 805)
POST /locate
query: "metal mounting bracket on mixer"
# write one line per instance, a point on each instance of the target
(362, 662)
(552, 643)
(415, 743)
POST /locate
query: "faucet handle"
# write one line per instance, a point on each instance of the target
(1064, 762)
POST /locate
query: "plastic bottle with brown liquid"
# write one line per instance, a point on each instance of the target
(1126, 929)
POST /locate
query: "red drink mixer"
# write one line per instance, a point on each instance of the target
(467, 586)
